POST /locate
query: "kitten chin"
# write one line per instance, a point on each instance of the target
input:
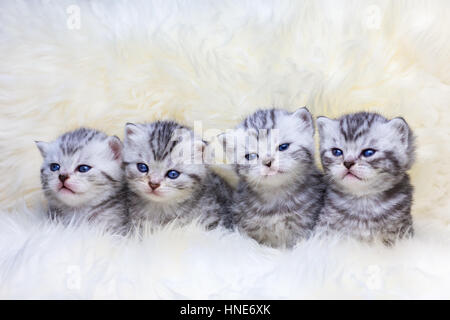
(365, 158)
(82, 178)
(280, 190)
(168, 183)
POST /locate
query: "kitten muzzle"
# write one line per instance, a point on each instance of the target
(66, 190)
(350, 174)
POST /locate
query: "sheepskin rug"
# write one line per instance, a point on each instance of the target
(65, 64)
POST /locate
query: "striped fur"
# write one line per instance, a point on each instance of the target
(98, 194)
(276, 205)
(197, 194)
(374, 202)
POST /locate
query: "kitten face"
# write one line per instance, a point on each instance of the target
(364, 152)
(163, 161)
(80, 166)
(270, 147)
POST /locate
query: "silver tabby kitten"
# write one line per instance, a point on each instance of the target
(82, 178)
(167, 179)
(365, 158)
(280, 190)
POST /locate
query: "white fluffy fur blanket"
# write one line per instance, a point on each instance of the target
(64, 64)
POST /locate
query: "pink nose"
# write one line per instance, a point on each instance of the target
(154, 186)
(348, 164)
(63, 177)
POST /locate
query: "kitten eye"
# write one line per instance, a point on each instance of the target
(368, 152)
(173, 174)
(283, 146)
(54, 167)
(142, 167)
(337, 152)
(251, 156)
(84, 168)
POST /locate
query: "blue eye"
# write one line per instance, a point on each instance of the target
(54, 167)
(251, 156)
(173, 174)
(283, 146)
(336, 152)
(368, 152)
(142, 167)
(84, 168)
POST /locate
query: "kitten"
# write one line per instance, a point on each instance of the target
(167, 179)
(82, 178)
(365, 158)
(280, 190)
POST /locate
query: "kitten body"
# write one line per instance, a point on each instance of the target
(193, 193)
(82, 179)
(280, 193)
(369, 194)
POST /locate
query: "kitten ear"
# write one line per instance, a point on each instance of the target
(400, 129)
(116, 147)
(325, 126)
(131, 131)
(306, 119)
(43, 147)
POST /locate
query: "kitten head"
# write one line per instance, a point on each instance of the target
(80, 166)
(163, 161)
(365, 153)
(271, 147)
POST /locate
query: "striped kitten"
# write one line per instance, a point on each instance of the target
(167, 179)
(280, 190)
(82, 178)
(365, 158)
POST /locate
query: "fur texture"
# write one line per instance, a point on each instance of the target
(217, 61)
(280, 190)
(365, 158)
(167, 179)
(82, 178)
